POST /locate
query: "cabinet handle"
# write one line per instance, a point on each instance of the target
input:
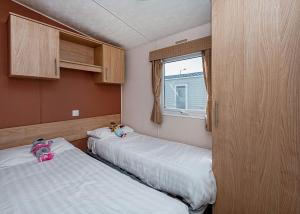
(56, 67)
(105, 74)
(216, 114)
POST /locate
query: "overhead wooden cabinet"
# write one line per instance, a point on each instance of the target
(39, 50)
(112, 60)
(34, 49)
(256, 100)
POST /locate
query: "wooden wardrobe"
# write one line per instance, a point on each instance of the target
(256, 106)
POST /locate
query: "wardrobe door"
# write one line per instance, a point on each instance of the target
(228, 108)
(256, 106)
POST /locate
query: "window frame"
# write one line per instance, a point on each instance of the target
(199, 114)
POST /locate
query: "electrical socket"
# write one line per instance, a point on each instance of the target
(75, 113)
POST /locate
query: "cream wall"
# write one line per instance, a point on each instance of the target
(137, 98)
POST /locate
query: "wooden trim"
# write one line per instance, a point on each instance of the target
(66, 32)
(71, 130)
(75, 38)
(190, 47)
(80, 66)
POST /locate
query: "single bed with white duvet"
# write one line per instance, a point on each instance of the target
(175, 168)
(74, 183)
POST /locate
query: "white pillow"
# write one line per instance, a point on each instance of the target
(127, 129)
(101, 133)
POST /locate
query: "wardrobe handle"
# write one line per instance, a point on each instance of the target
(216, 115)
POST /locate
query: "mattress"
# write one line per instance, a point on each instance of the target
(74, 183)
(176, 168)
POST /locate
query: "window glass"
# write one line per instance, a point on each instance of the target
(184, 86)
(181, 97)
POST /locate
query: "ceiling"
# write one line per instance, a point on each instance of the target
(128, 23)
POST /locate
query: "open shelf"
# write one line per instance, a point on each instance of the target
(79, 39)
(80, 66)
(80, 53)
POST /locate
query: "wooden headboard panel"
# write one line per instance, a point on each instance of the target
(70, 130)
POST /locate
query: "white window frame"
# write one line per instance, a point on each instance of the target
(199, 114)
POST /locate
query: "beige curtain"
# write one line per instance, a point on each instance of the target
(206, 57)
(156, 115)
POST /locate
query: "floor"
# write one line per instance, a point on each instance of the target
(208, 210)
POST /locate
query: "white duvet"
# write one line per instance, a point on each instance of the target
(74, 183)
(175, 168)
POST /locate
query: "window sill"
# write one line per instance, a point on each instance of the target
(171, 113)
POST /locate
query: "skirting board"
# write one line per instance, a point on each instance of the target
(69, 129)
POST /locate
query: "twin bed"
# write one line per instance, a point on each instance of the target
(73, 182)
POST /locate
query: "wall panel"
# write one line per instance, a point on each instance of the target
(32, 101)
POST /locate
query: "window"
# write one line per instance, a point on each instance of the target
(181, 96)
(184, 87)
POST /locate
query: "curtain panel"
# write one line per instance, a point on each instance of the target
(156, 116)
(206, 57)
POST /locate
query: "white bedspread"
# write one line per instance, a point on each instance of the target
(74, 183)
(176, 168)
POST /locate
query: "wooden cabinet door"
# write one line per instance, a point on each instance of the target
(34, 49)
(106, 61)
(113, 65)
(117, 65)
(256, 99)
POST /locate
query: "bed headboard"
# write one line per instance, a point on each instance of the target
(70, 130)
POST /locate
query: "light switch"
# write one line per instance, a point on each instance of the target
(75, 113)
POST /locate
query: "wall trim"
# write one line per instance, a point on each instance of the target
(71, 130)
